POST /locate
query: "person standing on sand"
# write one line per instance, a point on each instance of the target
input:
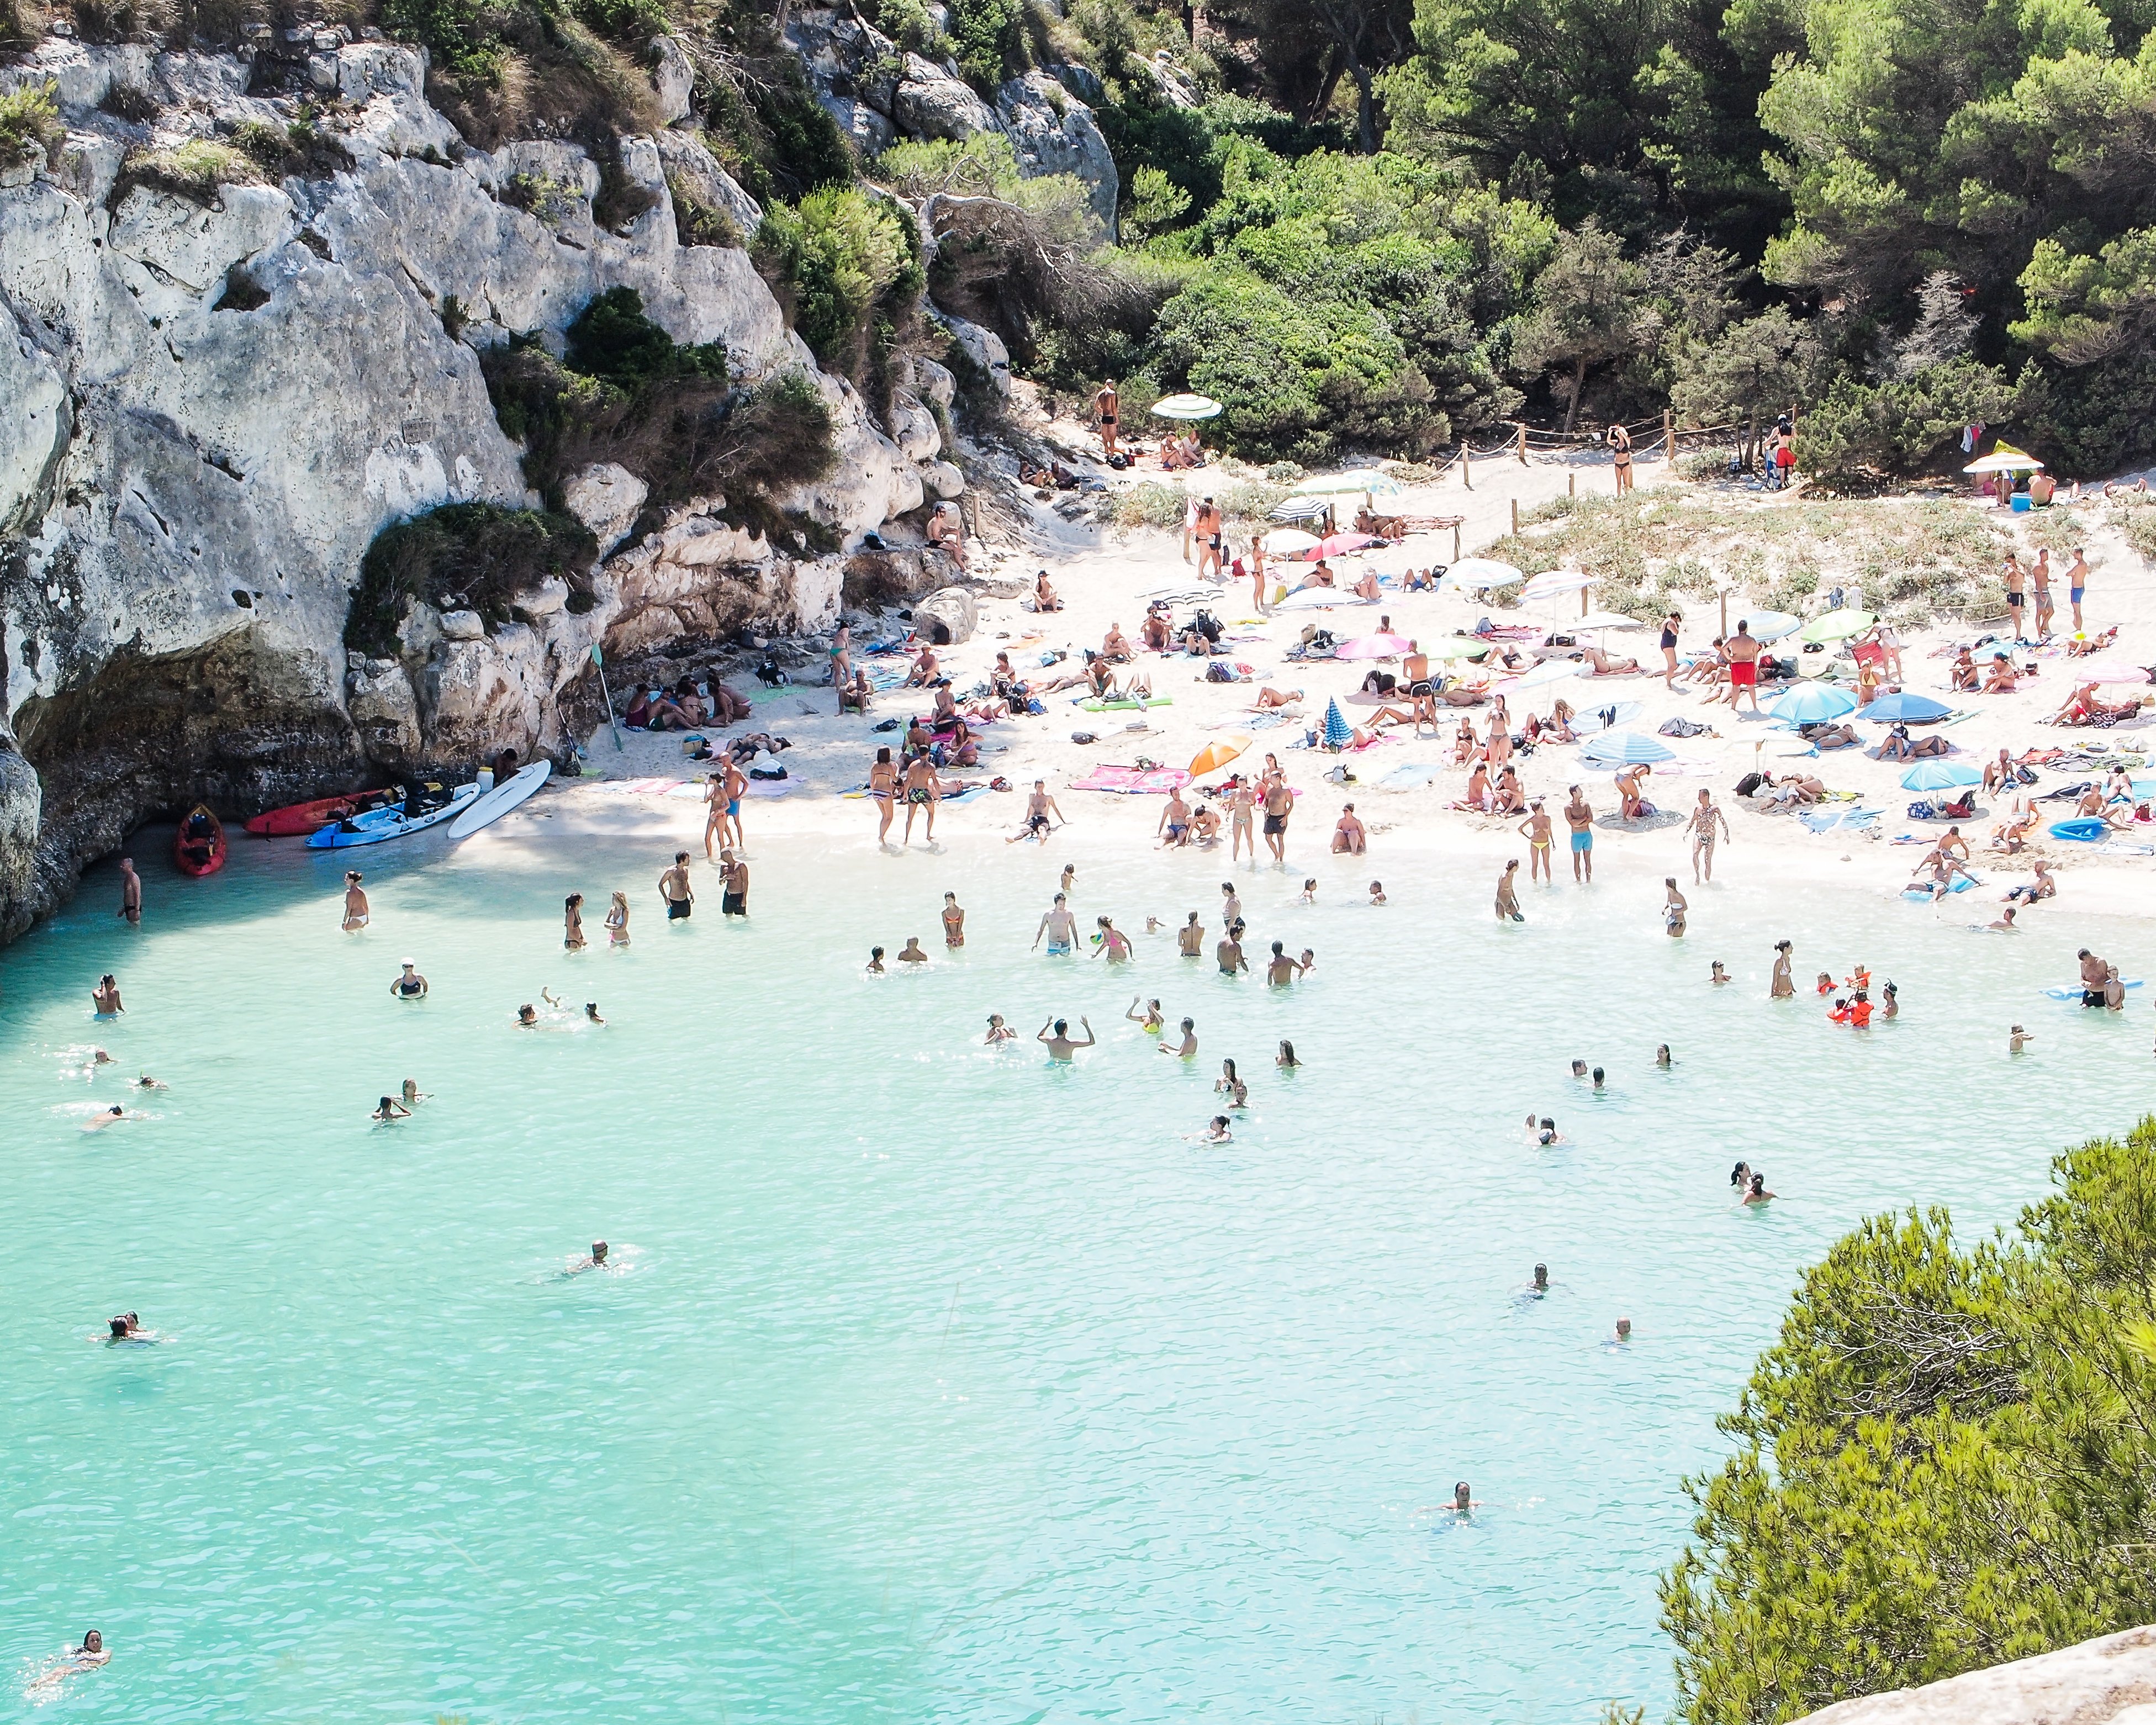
(1106, 406)
(674, 887)
(1210, 540)
(2078, 584)
(1782, 988)
(2017, 584)
(1620, 447)
(1508, 900)
(920, 791)
(131, 893)
(1280, 803)
(1579, 816)
(954, 922)
(1535, 830)
(1670, 625)
(883, 791)
(1742, 650)
(1706, 821)
(1673, 910)
(2040, 580)
(356, 912)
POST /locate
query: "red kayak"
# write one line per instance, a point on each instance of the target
(198, 846)
(298, 820)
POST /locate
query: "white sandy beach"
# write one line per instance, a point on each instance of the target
(1106, 578)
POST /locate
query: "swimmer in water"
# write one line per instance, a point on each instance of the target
(1058, 924)
(90, 1654)
(1230, 1085)
(1662, 1053)
(598, 1260)
(1718, 975)
(1824, 985)
(111, 1116)
(147, 1082)
(1308, 961)
(911, 953)
(2005, 919)
(409, 986)
(1112, 944)
(999, 1031)
(1463, 1500)
(1217, 1133)
(389, 1108)
(1310, 890)
(1757, 1192)
(1150, 1020)
(1190, 938)
(1598, 1078)
(527, 1016)
(1673, 908)
(954, 921)
(413, 1096)
(97, 1057)
(356, 915)
(1540, 1284)
(2017, 1039)
(105, 996)
(1624, 1329)
(1781, 988)
(1579, 1068)
(1057, 1035)
(1547, 1134)
(1740, 1177)
(592, 1012)
(1377, 892)
(875, 960)
(127, 1326)
(572, 923)
(1187, 1049)
(1285, 1060)
(1890, 1004)
(1281, 970)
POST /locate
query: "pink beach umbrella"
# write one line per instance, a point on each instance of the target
(1374, 647)
(1338, 544)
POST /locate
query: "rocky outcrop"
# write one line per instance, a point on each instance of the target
(879, 94)
(215, 402)
(2110, 1681)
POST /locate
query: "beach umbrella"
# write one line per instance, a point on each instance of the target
(1906, 709)
(1482, 571)
(1939, 776)
(1299, 509)
(2104, 669)
(1219, 752)
(1186, 407)
(1771, 625)
(1460, 656)
(1338, 544)
(1355, 483)
(2004, 458)
(1339, 732)
(1289, 542)
(1603, 619)
(1317, 598)
(1551, 583)
(1812, 704)
(1374, 647)
(1838, 625)
(1626, 748)
(1550, 670)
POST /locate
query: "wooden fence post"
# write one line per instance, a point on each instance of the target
(1515, 517)
(1467, 476)
(1572, 484)
(1523, 443)
(1668, 437)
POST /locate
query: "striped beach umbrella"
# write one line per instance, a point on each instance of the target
(1339, 732)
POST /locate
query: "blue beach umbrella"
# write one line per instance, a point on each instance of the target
(1339, 732)
(1626, 748)
(1939, 776)
(1906, 709)
(1812, 704)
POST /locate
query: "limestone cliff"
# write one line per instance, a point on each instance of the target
(218, 393)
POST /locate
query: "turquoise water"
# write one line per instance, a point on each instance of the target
(934, 1385)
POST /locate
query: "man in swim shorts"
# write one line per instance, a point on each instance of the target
(130, 892)
(1579, 816)
(733, 900)
(1228, 954)
(1742, 652)
(1279, 802)
(675, 888)
(1059, 925)
(1535, 830)
(1707, 823)
(1039, 806)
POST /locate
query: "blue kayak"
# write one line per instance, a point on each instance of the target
(377, 826)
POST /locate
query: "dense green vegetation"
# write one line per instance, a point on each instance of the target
(1946, 1462)
(472, 557)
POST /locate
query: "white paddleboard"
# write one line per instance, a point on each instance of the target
(499, 801)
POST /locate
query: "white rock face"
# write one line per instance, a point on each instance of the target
(187, 488)
(673, 77)
(914, 429)
(2110, 1681)
(606, 497)
(1055, 133)
(944, 479)
(986, 349)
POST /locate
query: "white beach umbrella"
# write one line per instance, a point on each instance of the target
(1317, 598)
(1482, 572)
(1186, 407)
(1770, 625)
(1550, 670)
(2004, 458)
(1354, 483)
(1552, 582)
(1288, 542)
(1603, 619)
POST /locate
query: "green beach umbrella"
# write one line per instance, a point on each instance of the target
(1838, 625)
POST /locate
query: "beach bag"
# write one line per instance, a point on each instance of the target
(1686, 727)
(1219, 674)
(1035, 704)
(1748, 784)
(767, 772)
(1921, 810)
(1208, 625)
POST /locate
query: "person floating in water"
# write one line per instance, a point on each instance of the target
(598, 1260)
(409, 986)
(1541, 1283)
(527, 1017)
(87, 1657)
(413, 1096)
(1624, 1329)
(592, 1012)
(110, 1116)
(1464, 1500)
(1757, 1192)
(1719, 974)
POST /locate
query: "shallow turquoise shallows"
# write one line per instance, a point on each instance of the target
(934, 1385)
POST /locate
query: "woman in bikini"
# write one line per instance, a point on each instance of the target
(572, 923)
(1620, 445)
(1241, 829)
(617, 920)
(1149, 1018)
(883, 789)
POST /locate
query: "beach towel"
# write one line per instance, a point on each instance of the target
(1126, 706)
(1132, 781)
(1408, 776)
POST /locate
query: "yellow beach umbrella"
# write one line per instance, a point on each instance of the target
(1219, 752)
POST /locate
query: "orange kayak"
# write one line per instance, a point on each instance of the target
(298, 820)
(198, 846)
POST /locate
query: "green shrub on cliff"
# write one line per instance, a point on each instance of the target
(841, 261)
(472, 557)
(30, 123)
(1947, 1462)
